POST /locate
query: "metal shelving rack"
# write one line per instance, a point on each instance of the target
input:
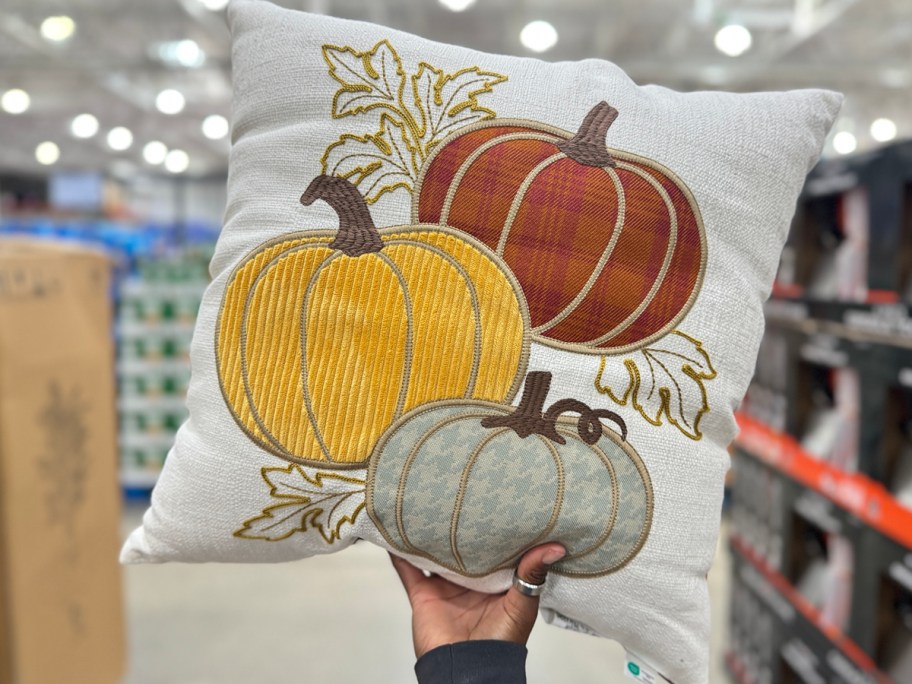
(821, 535)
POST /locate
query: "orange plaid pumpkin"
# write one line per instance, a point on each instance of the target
(608, 246)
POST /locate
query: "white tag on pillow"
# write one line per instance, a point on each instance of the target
(635, 669)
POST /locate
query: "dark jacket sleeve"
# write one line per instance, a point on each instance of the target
(473, 662)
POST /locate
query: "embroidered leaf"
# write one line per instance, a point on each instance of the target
(445, 102)
(412, 122)
(664, 379)
(324, 501)
(376, 162)
(369, 79)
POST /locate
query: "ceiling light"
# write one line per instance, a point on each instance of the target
(120, 138)
(538, 36)
(733, 40)
(15, 101)
(214, 5)
(170, 102)
(57, 29)
(844, 142)
(883, 130)
(155, 152)
(84, 126)
(457, 5)
(177, 161)
(180, 53)
(47, 153)
(189, 54)
(215, 127)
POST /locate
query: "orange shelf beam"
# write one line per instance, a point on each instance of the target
(864, 498)
(810, 612)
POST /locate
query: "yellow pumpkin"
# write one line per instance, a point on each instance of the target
(327, 337)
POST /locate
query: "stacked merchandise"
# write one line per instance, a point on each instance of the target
(125, 243)
(160, 274)
(158, 306)
(822, 497)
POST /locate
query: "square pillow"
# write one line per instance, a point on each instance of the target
(466, 303)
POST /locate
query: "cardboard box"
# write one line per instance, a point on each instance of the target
(61, 612)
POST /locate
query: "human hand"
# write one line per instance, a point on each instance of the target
(446, 613)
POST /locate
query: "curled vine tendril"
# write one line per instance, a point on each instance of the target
(589, 426)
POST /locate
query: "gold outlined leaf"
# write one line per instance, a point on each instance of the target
(324, 501)
(369, 79)
(664, 379)
(376, 162)
(412, 121)
(445, 102)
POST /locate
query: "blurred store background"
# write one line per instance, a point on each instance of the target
(114, 134)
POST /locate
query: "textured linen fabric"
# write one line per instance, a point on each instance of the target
(224, 497)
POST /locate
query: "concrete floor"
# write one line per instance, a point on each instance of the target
(246, 624)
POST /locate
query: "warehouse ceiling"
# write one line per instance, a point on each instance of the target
(123, 53)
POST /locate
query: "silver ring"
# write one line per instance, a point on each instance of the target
(526, 588)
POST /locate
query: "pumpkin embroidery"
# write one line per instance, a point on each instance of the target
(471, 485)
(326, 337)
(414, 113)
(609, 247)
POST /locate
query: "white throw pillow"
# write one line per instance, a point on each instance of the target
(517, 302)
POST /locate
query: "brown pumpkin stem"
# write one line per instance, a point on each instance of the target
(357, 233)
(530, 418)
(588, 145)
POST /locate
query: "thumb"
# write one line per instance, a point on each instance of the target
(533, 568)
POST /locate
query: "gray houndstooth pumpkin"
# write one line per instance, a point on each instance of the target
(472, 485)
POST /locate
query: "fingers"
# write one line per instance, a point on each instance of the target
(520, 609)
(410, 576)
(533, 567)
